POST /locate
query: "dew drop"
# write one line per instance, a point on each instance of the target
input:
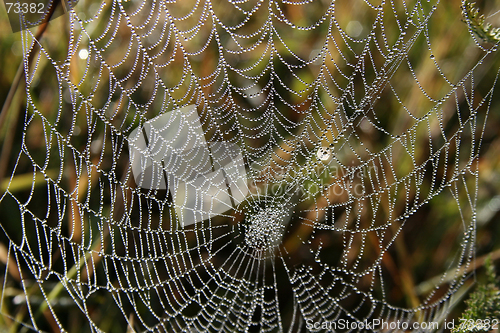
(324, 154)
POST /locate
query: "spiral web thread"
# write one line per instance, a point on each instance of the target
(342, 120)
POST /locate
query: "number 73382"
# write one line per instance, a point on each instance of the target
(25, 7)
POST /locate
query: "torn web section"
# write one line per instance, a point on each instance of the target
(228, 157)
(170, 152)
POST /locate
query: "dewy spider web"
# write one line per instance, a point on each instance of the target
(246, 165)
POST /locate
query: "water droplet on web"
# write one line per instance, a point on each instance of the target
(324, 153)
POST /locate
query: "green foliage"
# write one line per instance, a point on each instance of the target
(483, 306)
(477, 23)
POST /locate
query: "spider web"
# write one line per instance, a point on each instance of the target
(246, 165)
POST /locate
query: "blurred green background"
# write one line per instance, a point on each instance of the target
(417, 257)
